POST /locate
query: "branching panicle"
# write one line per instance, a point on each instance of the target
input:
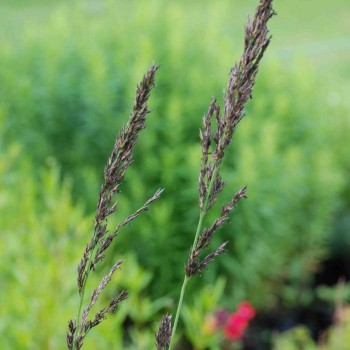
(209, 258)
(106, 242)
(114, 173)
(194, 265)
(94, 297)
(239, 90)
(145, 207)
(215, 135)
(121, 156)
(102, 314)
(243, 75)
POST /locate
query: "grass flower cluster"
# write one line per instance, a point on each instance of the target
(216, 135)
(118, 162)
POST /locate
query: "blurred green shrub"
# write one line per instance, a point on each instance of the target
(336, 337)
(66, 87)
(40, 227)
(298, 338)
(42, 236)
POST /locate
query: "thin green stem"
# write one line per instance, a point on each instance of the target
(79, 311)
(186, 279)
(179, 306)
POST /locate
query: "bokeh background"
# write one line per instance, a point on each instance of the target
(68, 71)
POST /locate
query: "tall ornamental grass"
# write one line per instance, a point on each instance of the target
(57, 100)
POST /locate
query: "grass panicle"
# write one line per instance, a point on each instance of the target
(215, 135)
(215, 140)
(114, 173)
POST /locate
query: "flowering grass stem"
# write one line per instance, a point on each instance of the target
(203, 211)
(215, 135)
(214, 142)
(118, 162)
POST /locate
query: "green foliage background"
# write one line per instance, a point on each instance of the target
(68, 71)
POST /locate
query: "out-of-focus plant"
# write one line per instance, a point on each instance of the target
(298, 338)
(200, 323)
(336, 337)
(39, 220)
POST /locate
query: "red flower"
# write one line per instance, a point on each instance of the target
(245, 310)
(236, 323)
(235, 326)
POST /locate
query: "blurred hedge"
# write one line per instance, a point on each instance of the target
(67, 86)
